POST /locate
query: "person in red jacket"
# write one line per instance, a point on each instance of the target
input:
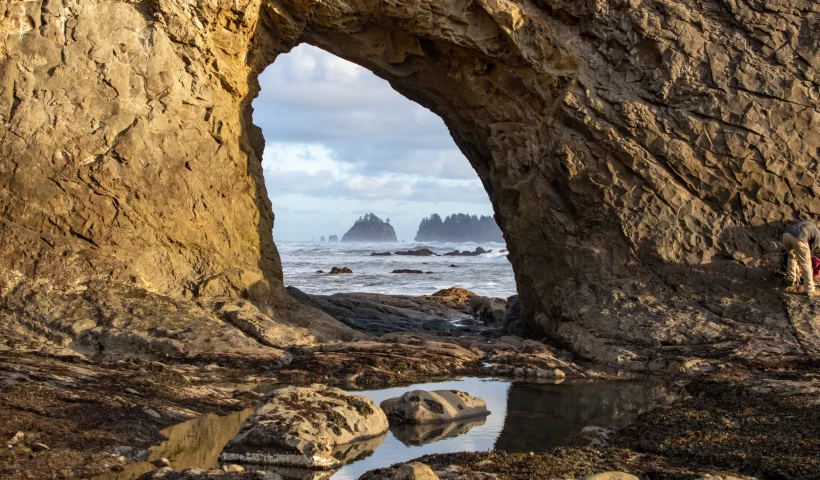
(800, 239)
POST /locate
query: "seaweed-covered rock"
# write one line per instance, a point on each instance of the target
(420, 406)
(311, 427)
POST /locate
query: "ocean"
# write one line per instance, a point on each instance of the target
(488, 274)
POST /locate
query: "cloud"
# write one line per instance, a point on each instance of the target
(312, 97)
(337, 135)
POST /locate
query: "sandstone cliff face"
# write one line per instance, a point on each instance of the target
(639, 154)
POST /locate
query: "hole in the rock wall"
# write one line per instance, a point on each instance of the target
(341, 144)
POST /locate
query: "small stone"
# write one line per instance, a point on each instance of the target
(40, 447)
(161, 462)
(151, 412)
(233, 468)
(17, 438)
(133, 392)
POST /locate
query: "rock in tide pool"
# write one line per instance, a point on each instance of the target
(316, 427)
(420, 406)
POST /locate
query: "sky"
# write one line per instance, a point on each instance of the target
(340, 142)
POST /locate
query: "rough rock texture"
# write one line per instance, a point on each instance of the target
(439, 406)
(454, 297)
(378, 314)
(102, 417)
(399, 360)
(639, 154)
(112, 321)
(307, 427)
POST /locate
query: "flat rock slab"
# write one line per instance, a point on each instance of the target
(316, 427)
(378, 314)
(420, 406)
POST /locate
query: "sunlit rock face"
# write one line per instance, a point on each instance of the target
(640, 155)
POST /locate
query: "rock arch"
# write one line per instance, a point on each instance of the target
(638, 153)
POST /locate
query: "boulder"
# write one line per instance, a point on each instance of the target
(333, 238)
(381, 254)
(420, 406)
(309, 427)
(337, 270)
(422, 252)
(407, 271)
(454, 297)
(490, 311)
(414, 471)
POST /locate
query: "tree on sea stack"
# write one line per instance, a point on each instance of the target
(370, 228)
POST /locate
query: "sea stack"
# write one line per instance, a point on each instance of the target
(370, 228)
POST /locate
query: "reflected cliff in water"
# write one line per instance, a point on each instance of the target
(542, 417)
(196, 443)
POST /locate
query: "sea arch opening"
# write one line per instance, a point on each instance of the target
(341, 144)
(467, 68)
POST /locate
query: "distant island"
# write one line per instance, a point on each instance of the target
(370, 228)
(459, 227)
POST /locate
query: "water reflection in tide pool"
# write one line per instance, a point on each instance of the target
(524, 417)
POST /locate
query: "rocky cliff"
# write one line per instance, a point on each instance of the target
(640, 155)
(370, 228)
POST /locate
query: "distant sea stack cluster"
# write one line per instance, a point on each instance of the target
(459, 227)
(370, 228)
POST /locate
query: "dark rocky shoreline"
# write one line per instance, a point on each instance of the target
(755, 418)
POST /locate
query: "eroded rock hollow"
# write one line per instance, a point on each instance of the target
(641, 155)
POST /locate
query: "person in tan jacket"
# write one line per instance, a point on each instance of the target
(800, 239)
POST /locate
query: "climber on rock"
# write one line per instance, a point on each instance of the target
(800, 239)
